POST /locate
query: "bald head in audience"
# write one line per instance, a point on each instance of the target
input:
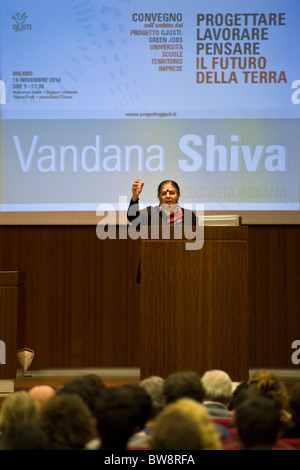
(42, 393)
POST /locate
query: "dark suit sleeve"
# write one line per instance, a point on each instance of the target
(133, 211)
(190, 217)
(133, 216)
(194, 219)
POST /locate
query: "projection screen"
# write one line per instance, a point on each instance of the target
(97, 93)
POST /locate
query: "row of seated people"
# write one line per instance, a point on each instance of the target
(183, 411)
(255, 414)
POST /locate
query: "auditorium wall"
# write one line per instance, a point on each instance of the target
(82, 299)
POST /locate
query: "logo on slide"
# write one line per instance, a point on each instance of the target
(20, 22)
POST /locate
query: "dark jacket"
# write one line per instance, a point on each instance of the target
(155, 216)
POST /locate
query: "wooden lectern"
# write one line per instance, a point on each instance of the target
(194, 304)
(11, 308)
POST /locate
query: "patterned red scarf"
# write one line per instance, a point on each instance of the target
(176, 217)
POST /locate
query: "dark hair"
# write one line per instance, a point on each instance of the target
(183, 384)
(89, 388)
(173, 183)
(24, 436)
(257, 421)
(295, 403)
(121, 412)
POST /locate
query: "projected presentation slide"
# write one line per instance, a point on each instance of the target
(97, 93)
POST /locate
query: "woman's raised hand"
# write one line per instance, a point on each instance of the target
(137, 188)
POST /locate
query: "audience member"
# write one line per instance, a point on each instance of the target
(183, 384)
(122, 411)
(257, 421)
(293, 431)
(270, 384)
(237, 394)
(67, 422)
(143, 404)
(187, 384)
(217, 393)
(154, 387)
(41, 393)
(88, 390)
(19, 407)
(95, 382)
(24, 436)
(184, 425)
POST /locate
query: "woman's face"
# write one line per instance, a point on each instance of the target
(168, 195)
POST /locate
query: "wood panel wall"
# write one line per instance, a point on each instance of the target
(274, 288)
(81, 295)
(82, 298)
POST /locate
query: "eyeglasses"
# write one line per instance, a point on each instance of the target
(172, 192)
